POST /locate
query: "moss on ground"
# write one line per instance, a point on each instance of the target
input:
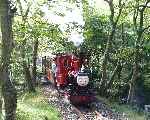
(32, 106)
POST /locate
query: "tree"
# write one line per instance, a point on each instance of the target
(32, 38)
(139, 30)
(25, 65)
(8, 89)
(113, 22)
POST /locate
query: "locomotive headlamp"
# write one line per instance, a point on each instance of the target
(82, 79)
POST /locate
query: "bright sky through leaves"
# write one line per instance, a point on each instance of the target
(99, 4)
(69, 13)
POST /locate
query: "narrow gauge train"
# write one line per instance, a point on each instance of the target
(71, 74)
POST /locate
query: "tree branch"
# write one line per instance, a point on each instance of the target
(27, 11)
(107, 1)
(144, 6)
(146, 28)
(24, 15)
(111, 5)
(120, 10)
(135, 15)
(142, 16)
(20, 7)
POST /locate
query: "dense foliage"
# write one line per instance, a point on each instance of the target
(122, 49)
(117, 44)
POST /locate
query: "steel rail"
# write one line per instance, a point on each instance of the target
(81, 115)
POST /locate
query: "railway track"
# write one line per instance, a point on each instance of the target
(98, 116)
(90, 114)
(81, 115)
(97, 111)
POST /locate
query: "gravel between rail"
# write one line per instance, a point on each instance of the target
(99, 110)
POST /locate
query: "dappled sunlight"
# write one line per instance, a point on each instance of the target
(75, 59)
(35, 107)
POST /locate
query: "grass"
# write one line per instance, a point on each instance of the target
(31, 106)
(131, 113)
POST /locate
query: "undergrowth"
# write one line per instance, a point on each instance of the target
(32, 106)
(130, 112)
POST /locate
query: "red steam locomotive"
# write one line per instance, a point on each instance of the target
(72, 75)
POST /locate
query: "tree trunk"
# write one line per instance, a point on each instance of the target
(105, 61)
(26, 69)
(25, 64)
(132, 85)
(8, 89)
(119, 72)
(28, 77)
(1, 102)
(139, 32)
(132, 91)
(104, 75)
(109, 85)
(10, 98)
(109, 42)
(34, 62)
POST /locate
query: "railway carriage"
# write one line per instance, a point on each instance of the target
(71, 75)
